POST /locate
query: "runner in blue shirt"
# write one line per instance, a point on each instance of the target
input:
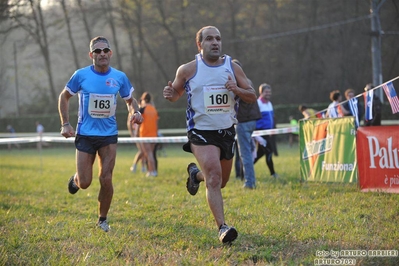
(96, 133)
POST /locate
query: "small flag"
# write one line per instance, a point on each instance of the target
(392, 97)
(354, 111)
(321, 114)
(334, 110)
(339, 111)
(368, 100)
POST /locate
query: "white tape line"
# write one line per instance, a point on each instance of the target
(71, 140)
(19, 140)
(177, 139)
(153, 140)
(275, 131)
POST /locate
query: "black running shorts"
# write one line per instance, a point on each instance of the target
(90, 144)
(222, 138)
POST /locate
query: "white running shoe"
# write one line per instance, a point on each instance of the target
(103, 225)
(227, 234)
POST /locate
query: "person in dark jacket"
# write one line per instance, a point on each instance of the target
(353, 106)
(247, 114)
(376, 109)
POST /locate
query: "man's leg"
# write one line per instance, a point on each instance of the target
(139, 156)
(208, 158)
(259, 153)
(244, 132)
(154, 152)
(84, 168)
(238, 164)
(269, 156)
(148, 149)
(216, 174)
(106, 162)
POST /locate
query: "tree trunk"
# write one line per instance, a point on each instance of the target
(71, 39)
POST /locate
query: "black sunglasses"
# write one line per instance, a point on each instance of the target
(98, 50)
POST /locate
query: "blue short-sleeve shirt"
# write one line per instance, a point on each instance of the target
(97, 99)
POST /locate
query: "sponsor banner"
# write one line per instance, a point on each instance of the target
(378, 156)
(328, 149)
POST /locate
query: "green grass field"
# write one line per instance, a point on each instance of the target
(154, 221)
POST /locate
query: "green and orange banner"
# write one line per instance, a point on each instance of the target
(328, 150)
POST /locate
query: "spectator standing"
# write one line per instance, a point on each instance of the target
(212, 82)
(335, 109)
(267, 121)
(11, 130)
(307, 112)
(139, 157)
(97, 131)
(39, 131)
(238, 164)
(353, 106)
(247, 114)
(149, 128)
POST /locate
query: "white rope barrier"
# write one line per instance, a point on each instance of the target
(175, 139)
(276, 131)
(19, 140)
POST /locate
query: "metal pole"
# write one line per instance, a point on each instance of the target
(376, 45)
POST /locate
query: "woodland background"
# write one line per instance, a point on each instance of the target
(303, 48)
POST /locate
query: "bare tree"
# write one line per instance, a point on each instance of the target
(69, 30)
(29, 16)
(163, 21)
(130, 17)
(234, 9)
(3, 83)
(84, 18)
(108, 10)
(147, 46)
(4, 9)
(281, 42)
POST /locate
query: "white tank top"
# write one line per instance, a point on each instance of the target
(210, 106)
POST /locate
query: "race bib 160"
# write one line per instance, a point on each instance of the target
(217, 100)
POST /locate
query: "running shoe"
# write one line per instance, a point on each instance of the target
(192, 182)
(227, 234)
(72, 187)
(103, 225)
(152, 173)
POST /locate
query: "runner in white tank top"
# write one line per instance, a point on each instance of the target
(212, 83)
(217, 109)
